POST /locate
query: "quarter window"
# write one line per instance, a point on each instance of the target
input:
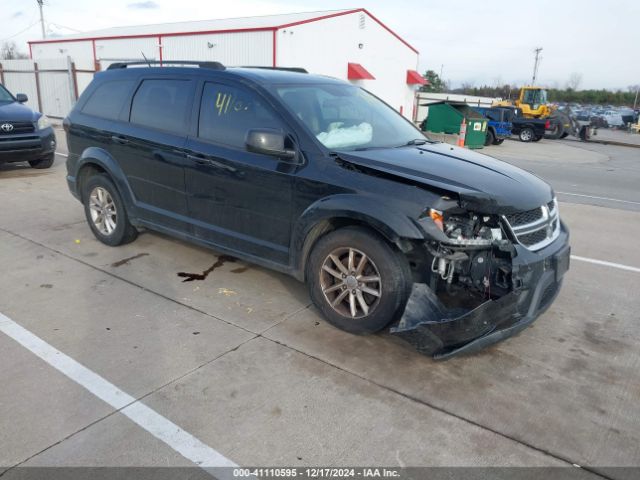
(227, 113)
(108, 99)
(162, 104)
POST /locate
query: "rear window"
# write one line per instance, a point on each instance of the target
(162, 104)
(108, 99)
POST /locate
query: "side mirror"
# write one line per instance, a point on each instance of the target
(268, 142)
(21, 98)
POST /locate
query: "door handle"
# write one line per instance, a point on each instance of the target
(199, 160)
(119, 140)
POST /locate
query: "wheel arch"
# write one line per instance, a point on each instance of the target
(96, 161)
(328, 215)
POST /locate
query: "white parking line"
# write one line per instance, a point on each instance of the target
(599, 198)
(606, 264)
(163, 429)
(62, 154)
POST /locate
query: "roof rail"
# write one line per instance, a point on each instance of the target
(286, 69)
(210, 64)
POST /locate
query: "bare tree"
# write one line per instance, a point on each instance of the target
(9, 51)
(467, 86)
(575, 79)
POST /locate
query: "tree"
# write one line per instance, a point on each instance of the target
(575, 79)
(434, 82)
(9, 51)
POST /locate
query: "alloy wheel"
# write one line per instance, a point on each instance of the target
(103, 211)
(350, 282)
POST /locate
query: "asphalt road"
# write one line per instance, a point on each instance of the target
(591, 174)
(109, 359)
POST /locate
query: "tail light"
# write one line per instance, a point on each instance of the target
(547, 125)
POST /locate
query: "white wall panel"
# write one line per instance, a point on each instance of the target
(80, 49)
(241, 48)
(327, 46)
(110, 50)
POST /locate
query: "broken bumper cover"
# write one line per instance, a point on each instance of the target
(435, 330)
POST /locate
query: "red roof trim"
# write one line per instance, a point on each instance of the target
(152, 35)
(355, 71)
(389, 30)
(233, 30)
(414, 78)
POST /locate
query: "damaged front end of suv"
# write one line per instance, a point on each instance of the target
(486, 274)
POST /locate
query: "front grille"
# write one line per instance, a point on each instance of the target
(535, 228)
(523, 218)
(530, 239)
(18, 127)
(10, 144)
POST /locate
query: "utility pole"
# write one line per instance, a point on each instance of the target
(635, 101)
(441, 69)
(535, 65)
(40, 3)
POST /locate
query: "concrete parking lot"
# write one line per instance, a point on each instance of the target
(241, 366)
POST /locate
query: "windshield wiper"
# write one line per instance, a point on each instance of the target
(415, 141)
(362, 149)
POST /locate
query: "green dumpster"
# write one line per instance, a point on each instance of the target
(446, 117)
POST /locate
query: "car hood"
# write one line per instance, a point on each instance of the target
(17, 112)
(482, 183)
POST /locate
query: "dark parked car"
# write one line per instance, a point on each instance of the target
(450, 249)
(25, 135)
(530, 129)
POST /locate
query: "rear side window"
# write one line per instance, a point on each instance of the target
(108, 99)
(228, 113)
(162, 104)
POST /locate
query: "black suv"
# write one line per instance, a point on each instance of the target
(25, 135)
(317, 178)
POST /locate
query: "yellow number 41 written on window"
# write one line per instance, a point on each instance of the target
(224, 101)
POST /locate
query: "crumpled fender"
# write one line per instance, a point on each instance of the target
(392, 224)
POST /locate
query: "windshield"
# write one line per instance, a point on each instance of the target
(535, 97)
(345, 117)
(5, 96)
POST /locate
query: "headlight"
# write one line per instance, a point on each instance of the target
(468, 229)
(43, 122)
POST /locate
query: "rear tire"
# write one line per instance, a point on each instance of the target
(42, 163)
(526, 134)
(105, 212)
(490, 138)
(339, 291)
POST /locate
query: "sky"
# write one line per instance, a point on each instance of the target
(473, 42)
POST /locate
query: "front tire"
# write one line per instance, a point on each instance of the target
(43, 163)
(357, 280)
(105, 212)
(526, 134)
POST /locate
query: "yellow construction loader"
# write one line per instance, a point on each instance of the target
(532, 103)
